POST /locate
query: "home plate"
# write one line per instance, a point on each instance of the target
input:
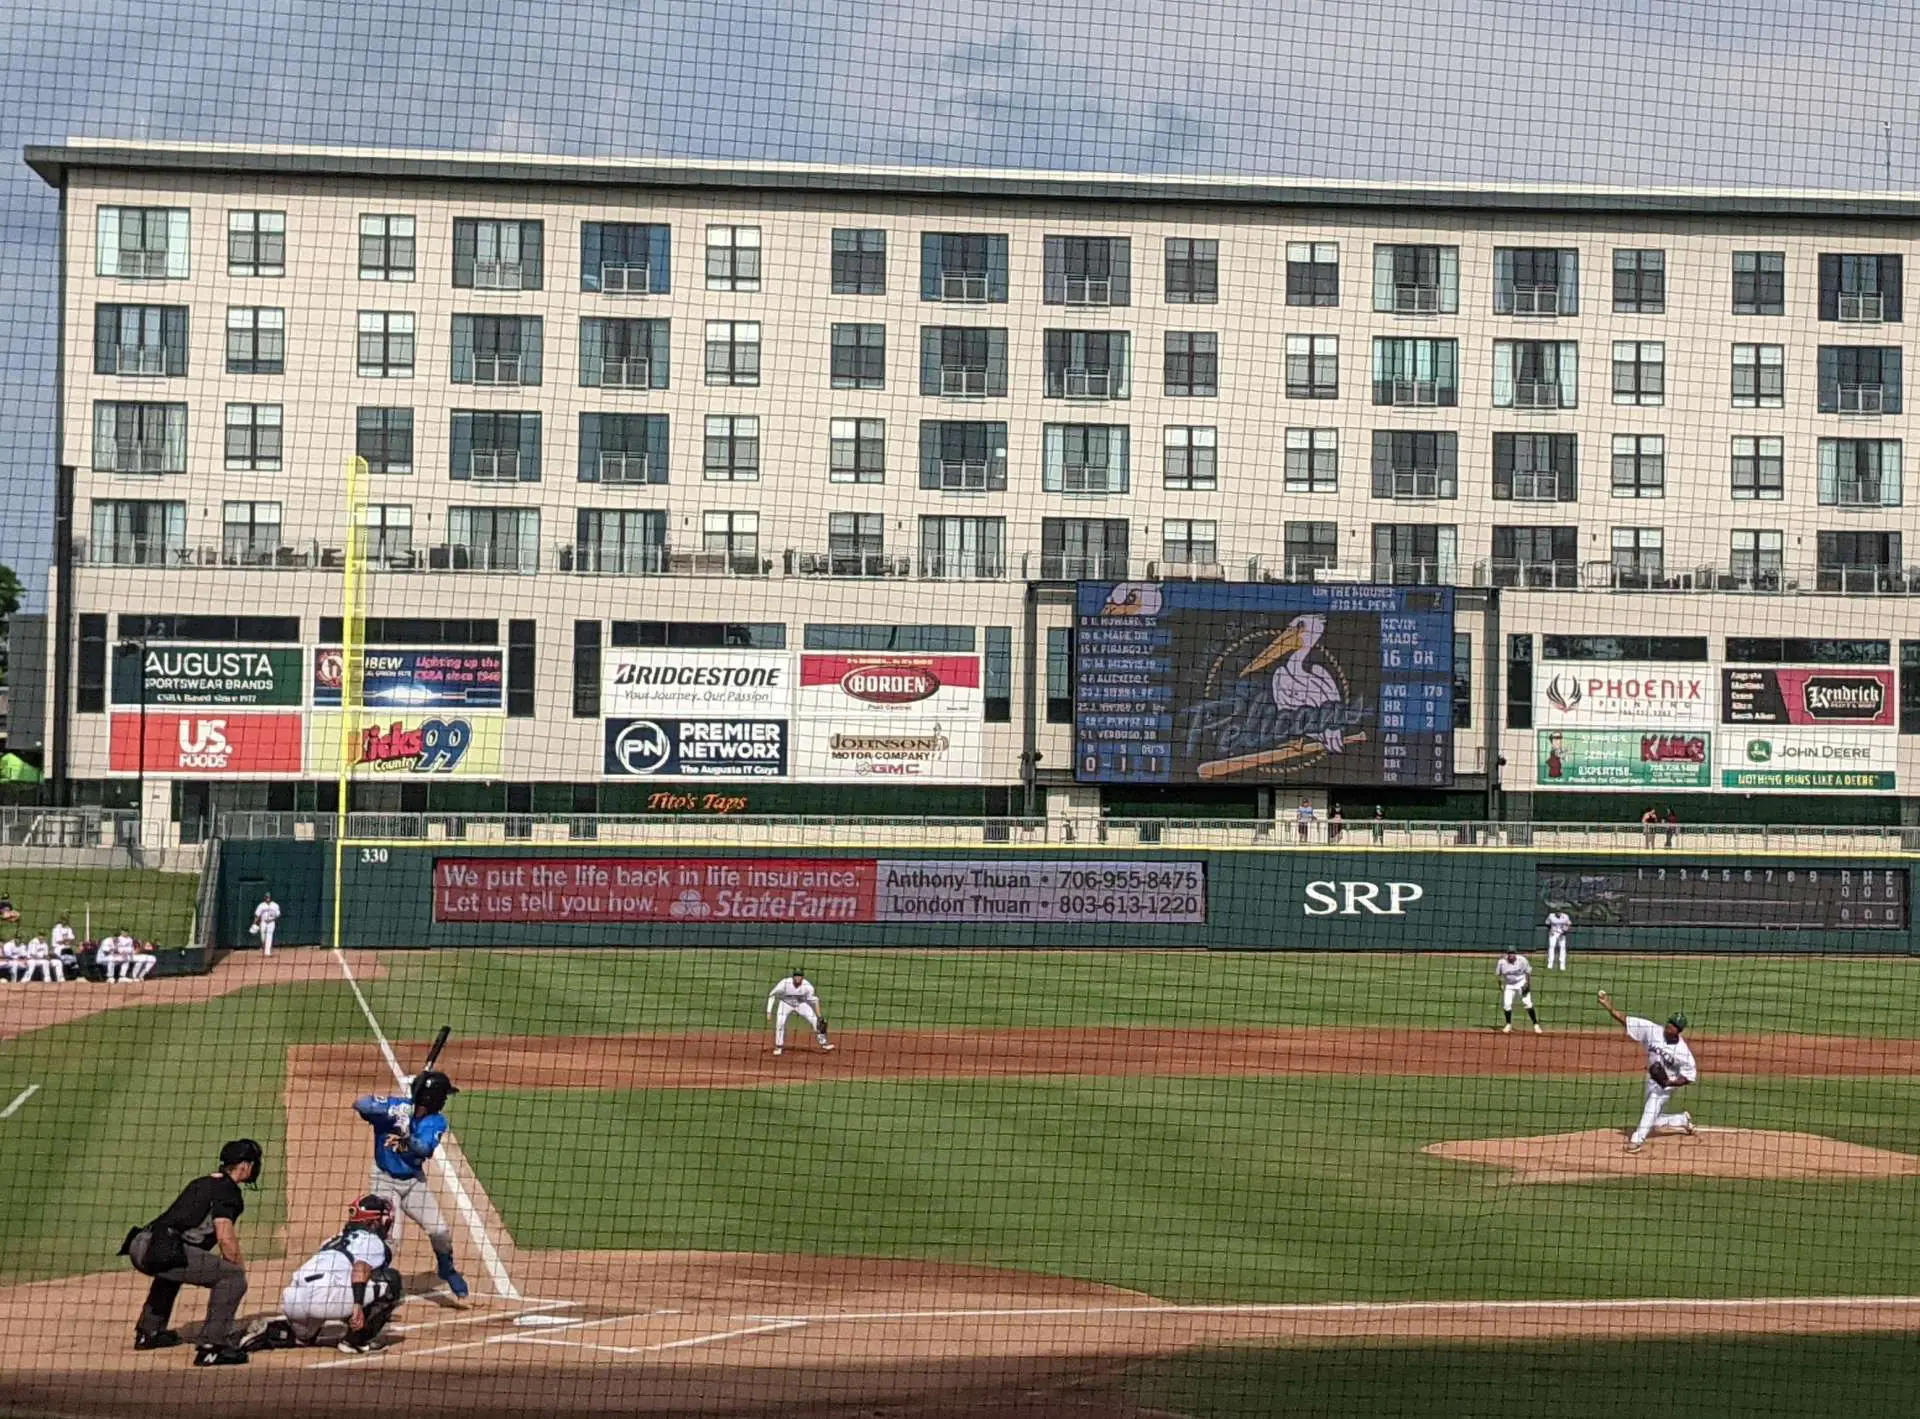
(543, 1320)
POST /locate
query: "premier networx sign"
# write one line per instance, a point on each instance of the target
(208, 675)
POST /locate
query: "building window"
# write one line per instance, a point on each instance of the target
(1759, 470)
(631, 449)
(1536, 374)
(857, 451)
(626, 258)
(1536, 468)
(963, 457)
(1639, 372)
(1313, 273)
(733, 352)
(733, 537)
(1860, 379)
(1313, 367)
(620, 542)
(1193, 271)
(1418, 554)
(1854, 561)
(1520, 681)
(1462, 680)
(625, 354)
(1759, 283)
(501, 350)
(139, 438)
(859, 357)
(491, 255)
(1639, 282)
(1059, 675)
(1313, 461)
(384, 438)
(1910, 687)
(1083, 548)
(250, 532)
(856, 544)
(963, 362)
(586, 669)
(386, 344)
(256, 340)
(136, 533)
(1416, 373)
(1087, 364)
(997, 676)
(489, 447)
(733, 448)
(963, 268)
(1192, 364)
(1085, 459)
(1639, 466)
(253, 438)
(1190, 458)
(1860, 289)
(963, 548)
(1088, 270)
(1534, 280)
(386, 248)
(142, 243)
(140, 340)
(1415, 464)
(1190, 542)
(1860, 472)
(494, 539)
(859, 262)
(1757, 557)
(256, 243)
(733, 258)
(1759, 376)
(1537, 557)
(1416, 280)
(389, 532)
(1311, 547)
(1639, 556)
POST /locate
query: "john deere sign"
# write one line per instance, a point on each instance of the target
(208, 675)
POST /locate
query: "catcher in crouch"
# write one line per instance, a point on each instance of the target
(1670, 1068)
(351, 1279)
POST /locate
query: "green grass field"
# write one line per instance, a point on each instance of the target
(1191, 1189)
(153, 906)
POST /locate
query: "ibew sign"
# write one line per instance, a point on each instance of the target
(1356, 898)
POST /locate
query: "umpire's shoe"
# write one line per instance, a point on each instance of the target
(209, 1355)
(156, 1339)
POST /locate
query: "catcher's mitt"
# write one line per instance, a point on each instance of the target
(1657, 1072)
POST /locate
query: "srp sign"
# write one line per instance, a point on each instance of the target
(1361, 898)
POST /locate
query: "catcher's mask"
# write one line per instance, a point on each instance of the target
(431, 1091)
(372, 1213)
(243, 1150)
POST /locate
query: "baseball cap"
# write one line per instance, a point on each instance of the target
(1679, 1022)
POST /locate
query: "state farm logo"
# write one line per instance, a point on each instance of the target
(890, 684)
(203, 744)
(1843, 697)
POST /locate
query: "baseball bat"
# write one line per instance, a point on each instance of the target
(439, 1043)
(1266, 758)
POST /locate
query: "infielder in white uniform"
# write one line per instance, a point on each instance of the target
(1670, 1067)
(265, 917)
(1516, 982)
(351, 1279)
(795, 995)
(1558, 925)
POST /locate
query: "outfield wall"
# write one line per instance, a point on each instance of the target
(1360, 899)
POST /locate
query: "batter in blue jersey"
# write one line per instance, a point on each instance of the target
(407, 1128)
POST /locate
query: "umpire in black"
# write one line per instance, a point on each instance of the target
(195, 1243)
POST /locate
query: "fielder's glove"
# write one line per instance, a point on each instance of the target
(823, 1024)
(1657, 1072)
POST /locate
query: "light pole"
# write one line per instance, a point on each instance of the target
(139, 648)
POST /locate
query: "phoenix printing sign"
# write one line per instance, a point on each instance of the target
(868, 718)
(1615, 695)
(231, 676)
(679, 714)
(1808, 729)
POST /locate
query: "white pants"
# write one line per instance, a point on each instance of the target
(1557, 941)
(783, 1010)
(266, 937)
(313, 1299)
(140, 966)
(50, 970)
(1511, 993)
(415, 1199)
(16, 969)
(1653, 1116)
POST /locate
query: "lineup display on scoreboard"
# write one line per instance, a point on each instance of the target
(1211, 683)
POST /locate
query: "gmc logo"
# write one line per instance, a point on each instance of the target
(1353, 898)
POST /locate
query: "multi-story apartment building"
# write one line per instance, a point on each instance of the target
(610, 409)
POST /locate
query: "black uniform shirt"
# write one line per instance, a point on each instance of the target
(200, 1202)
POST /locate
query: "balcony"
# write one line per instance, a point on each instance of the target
(1416, 299)
(1093, 479)
(1076, 566)
(1536, 394)
(1534, 300)
(497, 275)
(1529, 575)
(1395, 571)
(1539, 486)
(1418, 484)
(495, 465)
(139, 360)
(1414, 393)
(845, 564)
(1863, 398)
(1863, 309)
(962, 383)
(963, 476)
(1088, 384)
(143, 265)
(1186, 571)
(496, 369)
(983, 566)
(625, 279)
(628, 468)
(1867, 580)
(620, 559)
(964, 287)
(628, 373)
(1089, 290)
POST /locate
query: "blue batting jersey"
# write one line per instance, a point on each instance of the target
(391, 1116)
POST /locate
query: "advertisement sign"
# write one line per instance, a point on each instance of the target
(1206, 682)
(193, 745)
(415, 679)
(1808, 761)
(1829, 696)
(1623, 759)
(1613, 695)
(209, 675)
(696, 748)
(697, 684)
(866, 717)
(464, 746)
(865, 890)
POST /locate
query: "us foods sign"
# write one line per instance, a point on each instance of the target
(1612, 694)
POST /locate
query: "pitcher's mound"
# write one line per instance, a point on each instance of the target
(1709, 1153)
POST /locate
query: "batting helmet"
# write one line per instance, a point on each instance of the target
(431, 1091)
(372, 1213)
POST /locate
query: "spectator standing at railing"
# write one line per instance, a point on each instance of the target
(1336, 824)
(1673, 825)
(1648, 821)
(1379, 825)
(1304, 818)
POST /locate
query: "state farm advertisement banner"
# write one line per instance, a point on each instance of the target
(436, 745)
(1620, 695)
(865, 718)
(1816, 696)
(194, 745)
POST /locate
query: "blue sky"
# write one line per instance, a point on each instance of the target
(1766, 92)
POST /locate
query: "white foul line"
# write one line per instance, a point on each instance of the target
(689, 1343)
(476, 1225)
(18, 1099)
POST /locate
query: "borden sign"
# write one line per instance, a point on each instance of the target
(881, 718)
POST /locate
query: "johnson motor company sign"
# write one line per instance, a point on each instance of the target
(1607, 694)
